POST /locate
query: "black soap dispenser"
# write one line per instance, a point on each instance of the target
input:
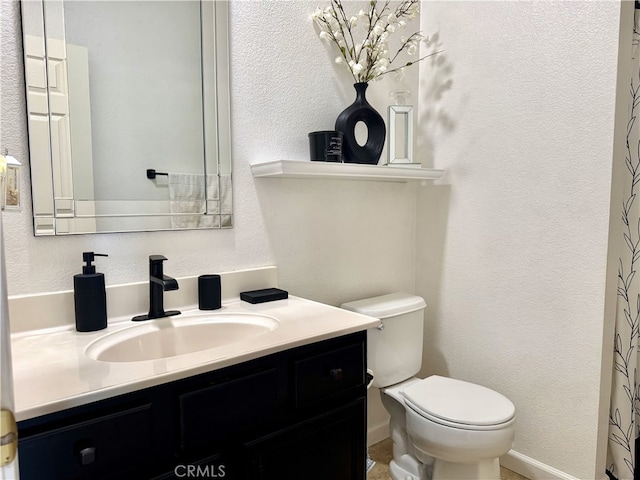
(90, 296)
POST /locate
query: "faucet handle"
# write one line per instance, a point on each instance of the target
(156, 258)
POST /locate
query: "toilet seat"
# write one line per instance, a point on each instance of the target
(459, 404)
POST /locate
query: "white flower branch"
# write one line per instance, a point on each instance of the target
(369, 59)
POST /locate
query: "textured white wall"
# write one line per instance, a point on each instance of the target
(333, 240)
(512, 255)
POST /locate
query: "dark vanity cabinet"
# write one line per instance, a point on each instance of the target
(297, 414)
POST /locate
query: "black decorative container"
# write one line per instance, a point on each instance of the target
(325, 146)
(209, 292)
(361, 111)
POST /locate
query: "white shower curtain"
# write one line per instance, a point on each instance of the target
(624, 415)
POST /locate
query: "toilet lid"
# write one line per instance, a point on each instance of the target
(459, 402)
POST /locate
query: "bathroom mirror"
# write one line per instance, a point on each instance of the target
(128, 115)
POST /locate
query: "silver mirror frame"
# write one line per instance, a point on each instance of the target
(55, 210)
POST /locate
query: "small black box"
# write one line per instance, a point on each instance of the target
(264, 295)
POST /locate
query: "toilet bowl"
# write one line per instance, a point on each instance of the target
(441, 428)
(463, 426)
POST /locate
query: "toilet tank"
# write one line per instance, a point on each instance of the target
(394, 352)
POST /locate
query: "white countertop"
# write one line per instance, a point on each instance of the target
(51, 371)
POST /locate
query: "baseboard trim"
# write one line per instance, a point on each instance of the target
(377, 433)
(514, 461)
(531, 468)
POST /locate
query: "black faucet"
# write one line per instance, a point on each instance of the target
(158, 284)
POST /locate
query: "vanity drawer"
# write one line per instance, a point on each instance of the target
(101, 448)
(330, 373)
(212, 413)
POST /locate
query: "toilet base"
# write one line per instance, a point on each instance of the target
(417, 471)
(488, 469)
(399, 473)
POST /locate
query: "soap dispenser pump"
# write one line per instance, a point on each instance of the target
(90, 296)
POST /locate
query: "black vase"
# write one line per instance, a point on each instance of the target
(361, 111)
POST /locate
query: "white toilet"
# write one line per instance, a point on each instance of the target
(442, 429)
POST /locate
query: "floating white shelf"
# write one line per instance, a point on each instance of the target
(346, 171)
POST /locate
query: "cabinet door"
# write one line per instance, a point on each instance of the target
(212, 414)
(117, 446)
(331, 446)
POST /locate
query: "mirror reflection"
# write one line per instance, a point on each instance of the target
(115, 91)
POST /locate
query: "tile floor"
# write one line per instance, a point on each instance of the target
(382, 454)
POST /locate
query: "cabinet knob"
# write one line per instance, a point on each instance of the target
(336, 374)
(87, 455)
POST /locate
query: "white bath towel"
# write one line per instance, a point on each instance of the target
(189, 199)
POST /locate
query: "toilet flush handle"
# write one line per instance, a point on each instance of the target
(381, 326)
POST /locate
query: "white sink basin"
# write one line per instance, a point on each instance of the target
(173, 336)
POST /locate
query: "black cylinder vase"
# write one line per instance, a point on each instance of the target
(361, 111)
